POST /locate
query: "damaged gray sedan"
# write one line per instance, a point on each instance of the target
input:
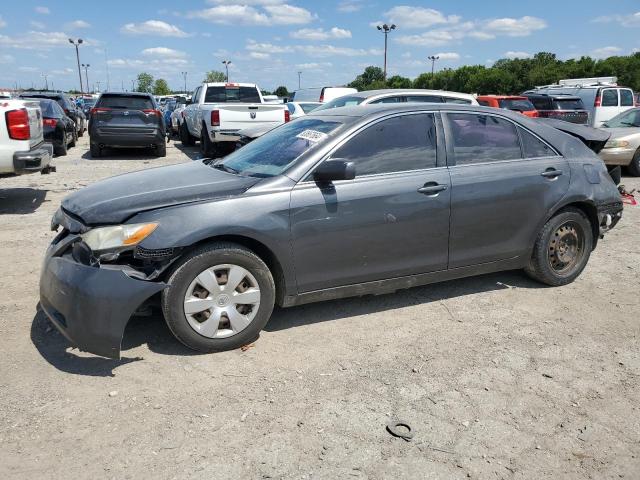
(339, 203)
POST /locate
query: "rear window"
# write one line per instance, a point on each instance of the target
(568, 104)
(541, 103)
(519, 105)
(232, 94)
(125, 102)
(626, 98)
(48, 109)
(610, 97)
(342, 102)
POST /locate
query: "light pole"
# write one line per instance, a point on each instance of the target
(98, 82)
(46, 82)
(226, 65)
(299, 76)
(184, 76)
(385, 29)
(433, 59)
(86, 76)
(132, 87)
(77, 44)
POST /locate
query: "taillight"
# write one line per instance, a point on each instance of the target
(322, 96)
(152, 111)
(287, 115)
(598, 101)
(215, 118)
(18, 124)
(534, 113)
(50, 122)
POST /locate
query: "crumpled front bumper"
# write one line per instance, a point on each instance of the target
(90, 305)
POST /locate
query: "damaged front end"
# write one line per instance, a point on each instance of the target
(90, 294)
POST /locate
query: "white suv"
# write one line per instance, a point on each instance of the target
(399, 96)
(22, 147)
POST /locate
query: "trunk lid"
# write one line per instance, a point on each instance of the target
(236, 117)
(594, 138)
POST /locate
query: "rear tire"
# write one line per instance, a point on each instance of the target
(634, 166)
(161, 150)
(81, 129)
(62, 150)
(184, 284)
(562, 248)
(74, 139)
(206, 147)
(185, 137)
(96, 151)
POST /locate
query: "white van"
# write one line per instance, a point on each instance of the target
(321, 94)
(603, 98)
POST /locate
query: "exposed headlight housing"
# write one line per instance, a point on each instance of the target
(118, 237)
(617, 144)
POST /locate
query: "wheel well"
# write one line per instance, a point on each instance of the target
(592, 214)
(261, 250)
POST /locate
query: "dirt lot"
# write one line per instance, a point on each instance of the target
(499, 377)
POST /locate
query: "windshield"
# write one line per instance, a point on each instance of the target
(520, 105)
(341, 102)
(630, 118)
(274, 152)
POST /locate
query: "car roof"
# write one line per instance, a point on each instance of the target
(553, 96)
(407, 91)
(127, 94)
(362, 111)
(503, 97)
(41, 95)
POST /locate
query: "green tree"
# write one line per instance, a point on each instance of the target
(398, 81)
(145, 83)
(281, 91)
(370, 75)
(160, 87)
(214, 76)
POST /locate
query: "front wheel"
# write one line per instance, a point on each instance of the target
(219, 298)
(634, 166)
(562, 248)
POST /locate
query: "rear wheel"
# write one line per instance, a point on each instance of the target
(74, 138)
(62, 149)
(634, 166)
(185, 137)
(81, 129)
(220, 297)
(206, 147)
(161, 150)
(562, 249)
(96, 151)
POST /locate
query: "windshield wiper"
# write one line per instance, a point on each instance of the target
(224, 168)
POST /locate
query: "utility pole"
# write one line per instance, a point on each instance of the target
(385, 29)
(46, 82)
(132, 87)
(184, 76)
(86, 76)
(433, 59)
(77, 44)
(226, 65)
(299, 75)
(98, 82)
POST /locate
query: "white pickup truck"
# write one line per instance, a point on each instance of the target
(217, 111)
(22, 147)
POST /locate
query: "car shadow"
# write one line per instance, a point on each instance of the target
(21, 200)
(192, 152)
(122, 154)
(153, 331)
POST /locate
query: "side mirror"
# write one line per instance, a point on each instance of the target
(332, 170)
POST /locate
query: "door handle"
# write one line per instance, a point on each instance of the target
(551, 173)
(432, 189)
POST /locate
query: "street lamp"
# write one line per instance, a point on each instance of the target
(226, 65)
(77, 44)
(86, 76)
(46, 82)
(385, 29)
(184, 75)
(299, 75)
(433, 59)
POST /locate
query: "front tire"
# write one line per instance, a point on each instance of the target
(96, 151)
(634, 166)
(220, 296)
(562, 248)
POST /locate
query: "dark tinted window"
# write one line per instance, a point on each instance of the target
(610, 97)
(626, 98)
(459, 101)
(398, 144)
(534, 147)
(568, 104)
(425, 98)
(126, 102)
(541, 103)
(388, 100)
(49, 110)
(483, 138)
(520, 105)
(232, 94)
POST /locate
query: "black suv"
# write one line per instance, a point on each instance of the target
(560, 107)
(127, 120)
(70, 108)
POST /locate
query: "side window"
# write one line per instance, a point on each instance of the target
(291, 108)
(610, 97)
(397, 144)
(425, 98)
(459, 101)
(484, 103)
(388, 100)
(533, 147)
(196, 94)
(626, 98)
(483, 138)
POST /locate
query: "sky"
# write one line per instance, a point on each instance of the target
(269, 41)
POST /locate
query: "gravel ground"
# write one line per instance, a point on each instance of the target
(498, 376)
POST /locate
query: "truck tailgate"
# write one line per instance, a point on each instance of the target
(236, 117)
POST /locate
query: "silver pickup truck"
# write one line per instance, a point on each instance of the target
(217, 111)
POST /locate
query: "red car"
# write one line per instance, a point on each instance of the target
(509, 102)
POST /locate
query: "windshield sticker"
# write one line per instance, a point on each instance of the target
(312, 136)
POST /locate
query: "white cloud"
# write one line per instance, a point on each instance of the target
(163, 52)
(153, 27)
(631, 20)
(64, 71)
(515, 27)
(35, 40)
(513, 54)
(77, 24)
(37, 25)
(245, 14)
(268, 47)
(28, 69)
(246, 2)
(418, 17)
(444, 56)
(314, 66)
(331, 50)
(6, 58)
(605, 52)
(320, 34)
(42, 10)
(2, 22)
(259, 56)
(350, 6)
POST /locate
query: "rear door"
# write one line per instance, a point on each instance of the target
(504, 180)
(609, 106)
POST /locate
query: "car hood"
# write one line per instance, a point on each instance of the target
(594, 138)
(630, 132)
(116, 199)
